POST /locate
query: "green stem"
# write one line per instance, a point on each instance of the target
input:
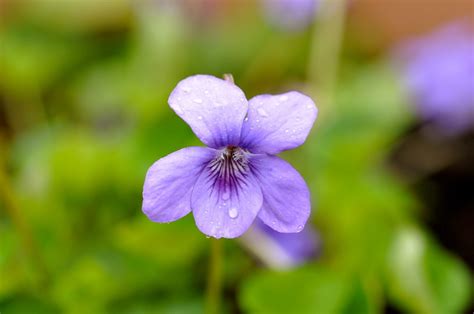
(325, 51)
(8, 197)
(213, 293)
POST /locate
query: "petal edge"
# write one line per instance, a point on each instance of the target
(286, 197)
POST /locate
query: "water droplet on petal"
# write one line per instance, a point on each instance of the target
(262, 112)
(246, 119)
(233, 212)
(286, 131)
(283, 98)
(299, 228)
(200, 117)
(225, 195)
(198, 101)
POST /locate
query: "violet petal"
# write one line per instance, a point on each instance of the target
(278, 122)
(291, 14)
(286, 205)
(169, 183)
(438, 71)
(221, 211)
(281, 250)
(213, 108)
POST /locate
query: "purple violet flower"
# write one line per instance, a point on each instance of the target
(290, 14)
(281, 250)
(439, 73)
(237, 177)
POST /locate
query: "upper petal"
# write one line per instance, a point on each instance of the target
(223, 211)
(169, 183)
(213, 108)
(286, 198)
(278, 122)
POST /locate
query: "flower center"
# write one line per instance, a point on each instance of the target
(229, 169)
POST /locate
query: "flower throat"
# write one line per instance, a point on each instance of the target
(229, 169)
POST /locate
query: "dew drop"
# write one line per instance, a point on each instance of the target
(233, 212)
(299, 228)
(283, 98)
(246, 119)
(198, 101)
(225, 195)
(262, 112)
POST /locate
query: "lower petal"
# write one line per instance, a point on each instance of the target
(223, 211)
(169, 183)
(286, 198)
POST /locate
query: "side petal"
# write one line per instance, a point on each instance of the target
(169, 183)
(286, 198)
(277, 122)
(214, 109)
(223, 212)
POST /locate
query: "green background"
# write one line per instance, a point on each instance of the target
(84, 88)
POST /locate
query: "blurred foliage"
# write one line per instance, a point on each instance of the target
(371, 247)
(84, 114)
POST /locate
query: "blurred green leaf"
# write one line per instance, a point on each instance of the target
(27, 304)
(314, 289)
(425, 279)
